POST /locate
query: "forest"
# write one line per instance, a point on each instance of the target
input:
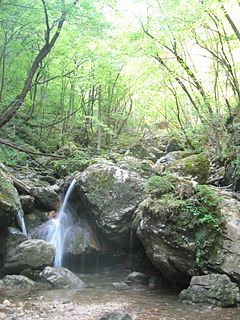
(100, 74)
(119, 159)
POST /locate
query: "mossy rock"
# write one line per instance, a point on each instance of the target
(180, 228)
(195, 166)
(9, 200)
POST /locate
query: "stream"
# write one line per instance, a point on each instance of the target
(101, 297)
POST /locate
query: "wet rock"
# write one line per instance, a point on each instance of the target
(112, 195)
(116, 316)
(28, 203)
(120, 285)
(137, 278)
(17, 282)
(61, 278)
(33, 254)
(213, 289)
(80, 238)
(9, 199)
(155, 282)
(13, 238)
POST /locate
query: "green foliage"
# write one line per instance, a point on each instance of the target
(75, 162)
(159, 185)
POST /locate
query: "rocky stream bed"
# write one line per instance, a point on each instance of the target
(101, 297)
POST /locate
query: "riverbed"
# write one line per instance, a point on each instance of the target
(101, 297)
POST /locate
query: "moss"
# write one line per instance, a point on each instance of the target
(194, 219)
(196, 166)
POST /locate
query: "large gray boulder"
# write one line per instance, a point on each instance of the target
(213, 289)
(112, 194)
(9, 199)
(33, 254)
(61, 278)
(17, 282)
(182, 241)
(226, 257)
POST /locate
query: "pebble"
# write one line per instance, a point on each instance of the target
(6, 303)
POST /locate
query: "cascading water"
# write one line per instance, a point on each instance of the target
(58, 227)
(21, 222)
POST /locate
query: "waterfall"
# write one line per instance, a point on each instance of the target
(58, 227)
(21, 222)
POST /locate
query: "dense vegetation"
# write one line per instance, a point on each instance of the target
(89, 73)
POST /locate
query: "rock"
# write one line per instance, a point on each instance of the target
(116, 316)
(226, 257)
(13, 238)
(139, 151)
(143, 167)
(181, 230)
(120, 285)
(46, 196)
(80, 238)
(213, 289)
(155, 282)
(9, 200)
(195, 166)
(181, 241)
(173, 156)
(35, 218)
(33, 254)
(137, 278)
(61, 278)
(112, 194)
(28, 203)
(17, 282)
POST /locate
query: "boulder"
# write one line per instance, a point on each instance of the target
(46, 197)
(33, 254)
(226, 257)
(137, 278)
(28, 203)
(181, 238)
(116, 316)
(9, 200)
(61, 278)
(13, 238)
(195, 166)
(17, 282)
(180, 230)
(112, 194)
(213, 289)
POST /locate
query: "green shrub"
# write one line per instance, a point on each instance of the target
(159, 185)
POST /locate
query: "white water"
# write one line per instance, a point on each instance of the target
(21, 222)
(58, 227)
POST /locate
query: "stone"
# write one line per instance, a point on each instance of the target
(28, 203)
(226, 257)
(33, 254)
(137, 278)
(195, 166)
(116, 316)
(112, 194)
(61, 278)
(180, 243)
(17, 282)
(121, 285)
(46, 197)
(9, 199)
(155, 282)
(13, 238)
(212, 289)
